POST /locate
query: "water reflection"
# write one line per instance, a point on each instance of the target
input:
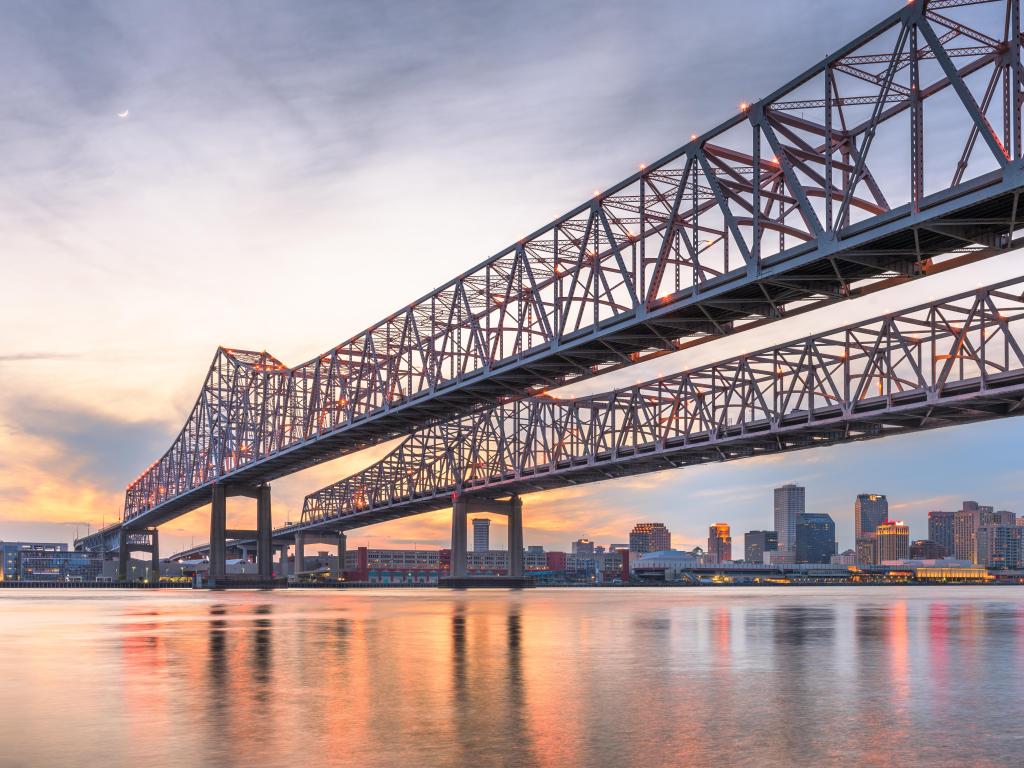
(914, 676)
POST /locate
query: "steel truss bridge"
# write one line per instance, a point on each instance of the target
(895, 157)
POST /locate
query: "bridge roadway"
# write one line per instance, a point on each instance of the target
(774, 210)
(954, 360)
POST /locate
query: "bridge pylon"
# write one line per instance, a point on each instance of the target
(139, 541)
(462, 507)
(219, 533)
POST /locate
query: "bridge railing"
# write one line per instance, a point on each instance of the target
(792, 173)
(932, 353)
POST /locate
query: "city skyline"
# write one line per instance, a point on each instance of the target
(278, 177)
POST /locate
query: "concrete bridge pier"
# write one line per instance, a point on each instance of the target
(282, 564)
(300, 553)
(218, 535)
(264, 534)
(462, 507)
(154, 555)
(139, 541)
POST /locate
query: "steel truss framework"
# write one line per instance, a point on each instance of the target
(776, 209)
(948, 362)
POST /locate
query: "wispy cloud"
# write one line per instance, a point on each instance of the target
(20, 357)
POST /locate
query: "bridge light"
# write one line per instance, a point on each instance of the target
(744, 106)
(643, 167)
(693, 137)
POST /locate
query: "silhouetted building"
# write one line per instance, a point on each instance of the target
(481, 534)
(867, 554)
(892, 541)
(790, 501)
(756, 543)
(926, 549)
(999, 546)
(650, 537)
(870, 510)
(583, 548)
(720, 542)
(940, 529)
(815, 538)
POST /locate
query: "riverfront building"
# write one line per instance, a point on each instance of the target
(892, 541)
(815, 538)
(481, 534)
(940, 529)
(10, 552)
(870, 510)
(756, 543)
(999, 546)
(719, 543)
(790, 502)
(650, 537)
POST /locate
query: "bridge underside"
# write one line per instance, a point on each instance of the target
(964, 404)
(900, 245)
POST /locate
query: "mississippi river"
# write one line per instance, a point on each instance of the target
(871, 676)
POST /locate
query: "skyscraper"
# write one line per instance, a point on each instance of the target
(720, 542)
(756, 543)
(815, 538)
(649, 537)
(481, 534)
(926, 549)
(999, 546)
(870, 510)
(789, 502)
(940, 529)
(892, 541)
(966, 522)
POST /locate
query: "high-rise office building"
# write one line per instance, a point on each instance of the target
(720, 542)
(481, 534)
(892, 541)
(756, 543)
(940, 529)
(870, 510)
(583, 547)
(815, 538)
(649, 537)
(867, 552)
(999, 546)
(926, 549)
(966, 522)
(790, 501)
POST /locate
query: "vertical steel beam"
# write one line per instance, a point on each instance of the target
(154, 556)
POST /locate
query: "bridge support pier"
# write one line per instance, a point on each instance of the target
(463, 507)
(154, 556)
(282, 565)
(460, 511)
(300, 553)
(264, 534)
(218, 535)
(342, 546)
(515, 536)
(122, 557)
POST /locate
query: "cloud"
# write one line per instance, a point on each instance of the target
(19, 357)
(86, 444)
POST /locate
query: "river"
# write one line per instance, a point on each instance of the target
(874, 676)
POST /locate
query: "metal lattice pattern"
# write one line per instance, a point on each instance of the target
(775, 208)
(954, 360)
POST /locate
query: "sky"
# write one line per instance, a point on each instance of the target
(279, 176)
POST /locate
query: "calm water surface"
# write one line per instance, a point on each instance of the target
(683, 677)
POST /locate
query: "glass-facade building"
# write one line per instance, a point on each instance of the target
(756, 543)
(815, 538)
(10, 551)
(650, 537)
(870, 510)
(790, 503)
(50, 565)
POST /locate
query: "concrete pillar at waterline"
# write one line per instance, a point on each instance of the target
(342, 546)
(300, 553)
(154, 557)
(515, 537)
(218, 532)
(282, 568)
(122, 557)
(457, 568)
(264, 532)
